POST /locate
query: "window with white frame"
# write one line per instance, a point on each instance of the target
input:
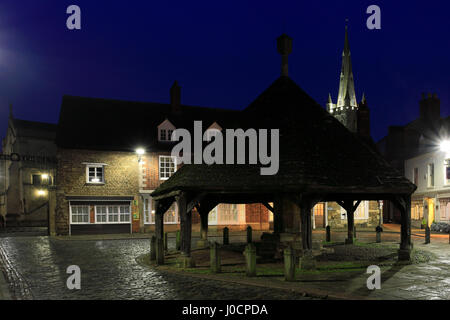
(163, 135)
(447, 172)
(170, 216)
(430, 182)
(147, 210)
(167, 167)
(79, 214)
(95, 173)
(101, 213)
(112, 214)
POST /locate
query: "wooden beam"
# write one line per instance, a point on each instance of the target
(268, 206)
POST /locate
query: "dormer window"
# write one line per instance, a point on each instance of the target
(213, 131)
(165, 131)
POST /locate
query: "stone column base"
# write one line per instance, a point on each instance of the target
(404, 255)
(186, 262)
(349, 241)
(202, 243)
(307, 262)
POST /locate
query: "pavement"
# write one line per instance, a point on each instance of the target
(36, 269)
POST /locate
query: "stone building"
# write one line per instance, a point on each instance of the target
(113, 154)
(356, 118)
(28, 168)
(420, 137)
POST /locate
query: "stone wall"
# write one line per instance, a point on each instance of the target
(335, 220)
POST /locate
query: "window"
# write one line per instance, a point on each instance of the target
(167, 167)
(113, 214)
(447, 172)
(124, 214)
(163, 135)
(147, 210)
(100, 214)
(416, 176)
(212, 133)
(228, 213)
(361, 213)
(430, 175)
(169, 135)
(79, 214)
(95, 173)
(170, 216)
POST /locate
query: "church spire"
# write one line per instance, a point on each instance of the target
(346, 85)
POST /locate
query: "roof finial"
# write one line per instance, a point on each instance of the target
(284, 45)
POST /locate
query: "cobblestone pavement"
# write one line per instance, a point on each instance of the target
(36, 268)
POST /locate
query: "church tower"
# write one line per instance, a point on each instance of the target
(346, 110)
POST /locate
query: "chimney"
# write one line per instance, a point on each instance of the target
(430, 108)
(175, 97)
(284, 45)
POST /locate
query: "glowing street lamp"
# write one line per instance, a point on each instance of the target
(445, 146)
(140, 152)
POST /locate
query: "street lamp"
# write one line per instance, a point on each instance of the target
(445, 146)
(140, 152)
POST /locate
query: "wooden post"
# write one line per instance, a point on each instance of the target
(250, 260)
(159, 252)
(215, 265)
(178, 240)
(277, 215)
(328, 237)
(249, 234)
(350, 225)
(159, 220)
(305, 214)
(226, 236)
(378, 231)
(186, 260)
(404, 204)
(166, 245)
(289, 264)
(153, 248)
(203, 212)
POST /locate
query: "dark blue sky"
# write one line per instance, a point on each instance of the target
(222, 53)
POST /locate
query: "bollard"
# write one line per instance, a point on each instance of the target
(226, 236)
(159, 252)
(166, 246)
(153, 248)
(328, 239)
(427, 235)
(178, 240)
(250, 260)
(449, 237)
(215, 258)
(378, 231)
(249, 234)
(289, 264)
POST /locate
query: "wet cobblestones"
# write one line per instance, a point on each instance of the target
(109, 271)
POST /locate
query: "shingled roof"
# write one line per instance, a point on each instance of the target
(317, 154)
(117, 125)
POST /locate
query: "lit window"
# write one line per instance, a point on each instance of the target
(112, 214)
(167, 167)
(79, 214)
(95, 173)
(170, 216)
(37, 179)
(430, 175)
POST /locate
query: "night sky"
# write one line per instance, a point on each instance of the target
(222, 53)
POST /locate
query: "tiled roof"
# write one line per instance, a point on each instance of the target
(317, 154)
(116, 125)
